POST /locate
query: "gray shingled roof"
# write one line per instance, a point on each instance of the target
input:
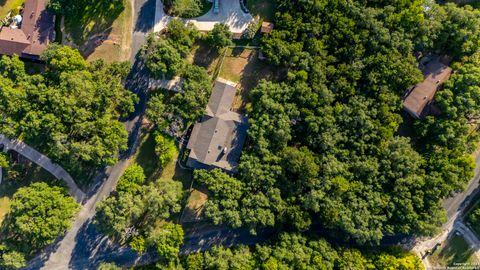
(220, 128)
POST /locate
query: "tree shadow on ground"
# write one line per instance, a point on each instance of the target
(205, 55)
(90, 21)
(146, 17)
(92, 247)
(255, 71)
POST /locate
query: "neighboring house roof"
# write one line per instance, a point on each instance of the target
(419, 99)
(218, 130)
(267, 27)
(35, 33)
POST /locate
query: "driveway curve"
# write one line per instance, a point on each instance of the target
(44, 162)
(230, 13)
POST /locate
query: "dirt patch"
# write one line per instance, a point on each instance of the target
(242, 65)
(114, 43)
(235, 63)
(203, 55)
(194, 209)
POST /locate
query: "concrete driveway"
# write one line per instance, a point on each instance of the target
(229, 13)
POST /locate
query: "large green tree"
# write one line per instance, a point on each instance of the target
(162, 59)
(220, 36)
(39, 213)
(329, 145)
(69, 111)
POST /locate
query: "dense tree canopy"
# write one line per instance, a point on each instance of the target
(191, 103)
(294, 251)
(330, 144)
(68, 112)
(162, 59)
(131, 180)
(137, 213)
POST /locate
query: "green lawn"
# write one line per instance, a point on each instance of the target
(265, 9)
(148, 160)
(146, 157)
(116, 47)
(455, 250)
(4, 207)
(92, 18)
(7, 5)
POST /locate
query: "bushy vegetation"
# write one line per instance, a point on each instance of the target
(220, 36)
(164, 56)
(324, 145)
(296, 251)
(187, 8)
(162, 59)
(39, 213)
(138, 214)
(70, 111)
(4, 161)
(188, 104)
(165, 148)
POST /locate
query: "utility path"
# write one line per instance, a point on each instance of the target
(44, 162)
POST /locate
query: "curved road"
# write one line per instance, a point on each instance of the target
(82, 243)
(44, 162)
(455, 207)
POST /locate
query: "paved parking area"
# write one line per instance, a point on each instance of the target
(229, 13)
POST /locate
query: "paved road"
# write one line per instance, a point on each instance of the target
(229, 13)
(44, 162)
(459, 200)
(143, 21)
(60, 258)
(455, 207)
(82, 243)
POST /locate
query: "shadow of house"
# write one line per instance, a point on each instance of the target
(36, 31)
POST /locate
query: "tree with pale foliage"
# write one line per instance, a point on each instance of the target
(165, 148)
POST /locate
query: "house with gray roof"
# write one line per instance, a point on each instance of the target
(217, 140)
